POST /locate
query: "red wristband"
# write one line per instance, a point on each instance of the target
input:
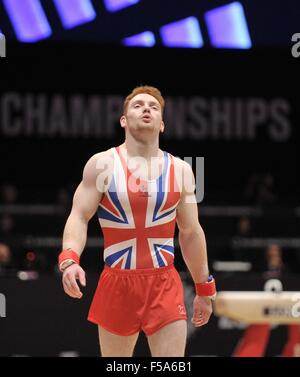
(68, 254)
(206, 289)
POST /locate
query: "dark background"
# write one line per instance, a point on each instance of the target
(40, 320)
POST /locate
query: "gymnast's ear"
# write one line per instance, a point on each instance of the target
(123, 121)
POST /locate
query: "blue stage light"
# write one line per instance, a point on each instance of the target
(183, 33)
(29, 20)
(116, 5)
(75, 12)
(227, 27)
(145, 39)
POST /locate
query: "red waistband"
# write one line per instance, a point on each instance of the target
(140, 271)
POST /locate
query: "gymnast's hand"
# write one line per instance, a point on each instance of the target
(202, 310)
(70, 275)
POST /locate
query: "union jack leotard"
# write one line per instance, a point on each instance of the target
(138, 224)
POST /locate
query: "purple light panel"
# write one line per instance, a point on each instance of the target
(75, 12)
(227, 27)
(116, 5)
(183, 33)
(145, 39)
(29, 20)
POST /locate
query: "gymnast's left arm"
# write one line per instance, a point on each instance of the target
(193, 244)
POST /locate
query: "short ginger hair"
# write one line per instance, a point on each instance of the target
(154, 92)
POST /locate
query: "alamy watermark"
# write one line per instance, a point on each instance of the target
(151, 177)
(2, 305)
(296, 306)
(275, 285)
(2, 46)
(296, 46)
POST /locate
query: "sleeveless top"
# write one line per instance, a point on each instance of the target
(138, 217)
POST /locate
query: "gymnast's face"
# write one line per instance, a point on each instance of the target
(143, 114)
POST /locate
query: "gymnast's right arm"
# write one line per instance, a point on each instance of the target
(85, 203)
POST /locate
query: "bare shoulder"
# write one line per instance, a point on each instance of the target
(183, 169)
(99, 163)
(100, 157)
(184, 176)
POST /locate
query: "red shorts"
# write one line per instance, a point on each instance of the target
(127, 301)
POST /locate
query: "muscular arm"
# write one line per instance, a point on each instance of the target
(193, 245)
(85, 203)
(86, 199)
(191, 236)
